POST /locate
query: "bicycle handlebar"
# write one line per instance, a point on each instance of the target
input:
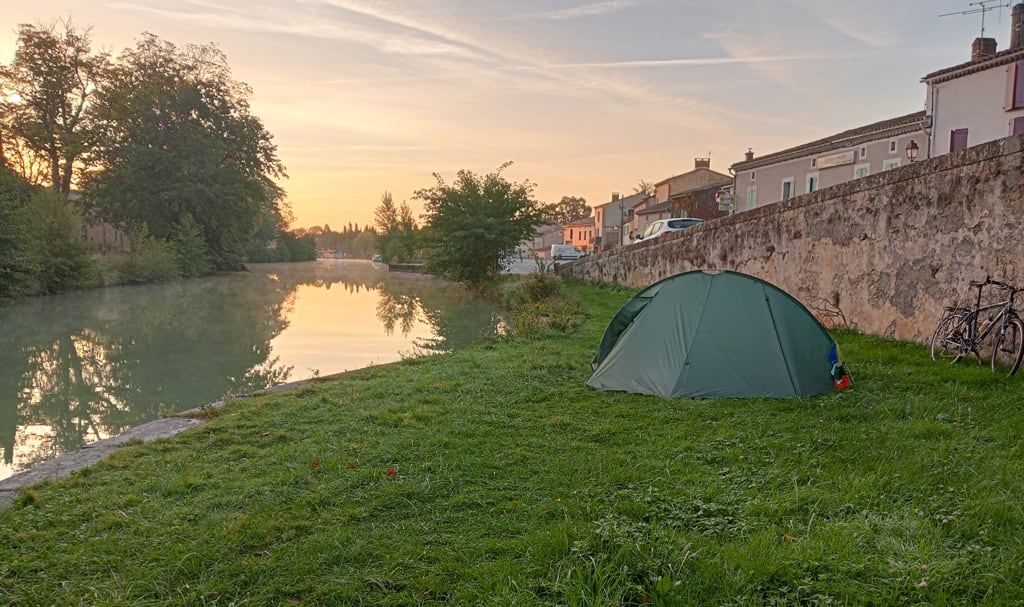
(1001, 285)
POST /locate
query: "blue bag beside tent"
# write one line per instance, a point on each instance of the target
(714, 335)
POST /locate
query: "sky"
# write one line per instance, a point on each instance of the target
(584, 97)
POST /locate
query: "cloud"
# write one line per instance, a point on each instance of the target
(852, 22)
(587, 10)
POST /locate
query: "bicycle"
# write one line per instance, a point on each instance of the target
(958, 333)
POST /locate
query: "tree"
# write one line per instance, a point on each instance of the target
(567, 210)
(407, 233)
(386, 219)
(177, 137)
(19, 263)
(644, 187)
(44, 98)
(475, 224)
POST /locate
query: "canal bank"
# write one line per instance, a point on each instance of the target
(68, 463)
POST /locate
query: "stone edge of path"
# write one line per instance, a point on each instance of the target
(93, 453)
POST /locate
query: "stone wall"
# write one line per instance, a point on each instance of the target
(883, 254)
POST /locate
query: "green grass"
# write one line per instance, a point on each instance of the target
(515, 484)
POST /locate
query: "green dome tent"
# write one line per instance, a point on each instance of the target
(715, 335)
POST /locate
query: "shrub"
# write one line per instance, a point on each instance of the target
(151, 260)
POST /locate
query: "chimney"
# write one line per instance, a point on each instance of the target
(750, 155)
(615, 196)
(1017, 26)
(702, 163)
(983, 48)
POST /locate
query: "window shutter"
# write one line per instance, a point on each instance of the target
(1011, 86)
(1018, 88)
(1017, 125)
(957, 140)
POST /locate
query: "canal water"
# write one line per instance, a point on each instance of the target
(81, 367)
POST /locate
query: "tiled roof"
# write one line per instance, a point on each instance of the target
(627, 201)
(586, 221)
(723, 175)
(658, 208)
(878, 130)
(970, 67)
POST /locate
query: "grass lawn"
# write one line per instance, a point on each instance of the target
(494, 476)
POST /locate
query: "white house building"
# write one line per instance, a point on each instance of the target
(980, 100)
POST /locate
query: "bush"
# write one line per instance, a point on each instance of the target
(191, 253)
(151, 260)
(540, 303)
(64, 262)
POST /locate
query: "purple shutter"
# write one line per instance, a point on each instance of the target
(957, 140)
(1017, 125)
(1018, 88)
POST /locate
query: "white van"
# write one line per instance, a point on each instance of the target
(566, 251)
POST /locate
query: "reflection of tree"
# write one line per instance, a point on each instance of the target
(402, 309)
(93, 364)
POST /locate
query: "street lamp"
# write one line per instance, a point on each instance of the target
(912, 151)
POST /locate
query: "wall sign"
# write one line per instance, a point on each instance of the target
(835, 160)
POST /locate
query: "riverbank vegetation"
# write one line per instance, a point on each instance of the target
(157, 145)
(493, 475)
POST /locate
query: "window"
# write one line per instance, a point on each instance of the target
(957, 140)
(863, 152)
(751, 197)
(812, 182)
(570, 233)
(814, 163)
(1017, 125)
(861, 170)
(787, 188)
(753, 175)
(891, 164)
(892, 147)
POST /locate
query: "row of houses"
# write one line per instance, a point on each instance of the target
(968, 104)
(615, 223)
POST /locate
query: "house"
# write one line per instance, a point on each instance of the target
(689, 194)
(980, 100)
(545, 236)
(835, 159)
(613, 219)
(580, 233)
(967, 104)
(676, 189)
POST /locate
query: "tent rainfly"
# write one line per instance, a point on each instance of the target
(715, 335)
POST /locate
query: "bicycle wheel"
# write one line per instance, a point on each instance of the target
(949, 341)
(1008, 347)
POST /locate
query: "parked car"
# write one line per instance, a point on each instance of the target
(566, 251)
(664, 226)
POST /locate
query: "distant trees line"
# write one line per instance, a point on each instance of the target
(159, 142)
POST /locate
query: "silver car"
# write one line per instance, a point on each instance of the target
(664, 226)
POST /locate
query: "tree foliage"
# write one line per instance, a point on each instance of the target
(44, 93)
(567, 210)
(397, 233)
(175, 137)
(475, 223)
(644, 187)
(385, 217)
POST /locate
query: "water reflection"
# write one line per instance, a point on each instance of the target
(80, 367)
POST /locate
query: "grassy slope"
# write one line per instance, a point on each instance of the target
(514, 484)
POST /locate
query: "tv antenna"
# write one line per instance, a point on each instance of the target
(981, 7)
